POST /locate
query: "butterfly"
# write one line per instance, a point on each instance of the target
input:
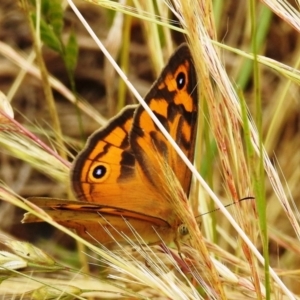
(124, 177)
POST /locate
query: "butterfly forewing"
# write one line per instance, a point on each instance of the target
(104, 153)
(173, 99)
(105, 172)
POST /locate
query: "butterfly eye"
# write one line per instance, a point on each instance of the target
(99, 172)
(180, 80)
(183, 231)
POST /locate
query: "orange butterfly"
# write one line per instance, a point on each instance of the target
(121, 176)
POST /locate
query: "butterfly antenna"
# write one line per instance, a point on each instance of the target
(227, 205)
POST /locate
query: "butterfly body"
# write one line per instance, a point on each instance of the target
(128, 171)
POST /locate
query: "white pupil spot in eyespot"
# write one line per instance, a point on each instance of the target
(180, 80)
(99, 172)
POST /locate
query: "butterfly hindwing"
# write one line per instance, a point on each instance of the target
(98, 223)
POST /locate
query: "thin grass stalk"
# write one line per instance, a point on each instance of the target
(124, 61)
(278, 110)
(19, 79)
(166, 37)
(246, 68)
(188, 11)
(113, 44)
(44, 75)
(285, 11)
(258, 172)
(132, 11)
(151, 30)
